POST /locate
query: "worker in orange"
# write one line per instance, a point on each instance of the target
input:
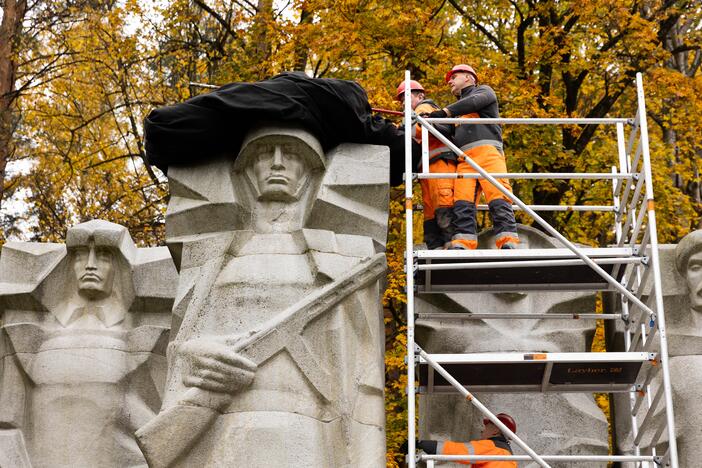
(491, 442)
(437, 194)
(483, 144)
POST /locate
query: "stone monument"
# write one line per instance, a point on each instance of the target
(276, 352)
(82, 347)
(550, 423)
(681, 278)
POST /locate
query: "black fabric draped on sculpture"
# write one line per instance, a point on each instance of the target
(335, 111)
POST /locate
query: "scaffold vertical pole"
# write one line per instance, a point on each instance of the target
(409, 274)
(653, 235)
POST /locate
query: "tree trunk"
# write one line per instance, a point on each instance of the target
(10, 29)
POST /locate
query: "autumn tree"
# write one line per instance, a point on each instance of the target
(78, 77)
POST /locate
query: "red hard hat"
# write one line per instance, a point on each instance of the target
(461, 68)
(506, 419)
(414, 86)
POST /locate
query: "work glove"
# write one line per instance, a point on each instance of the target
(437, 114)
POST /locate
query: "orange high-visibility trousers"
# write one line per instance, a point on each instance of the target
(437, 193)
(490, 159)
(466, 193)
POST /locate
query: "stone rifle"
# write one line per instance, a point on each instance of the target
(162, 440)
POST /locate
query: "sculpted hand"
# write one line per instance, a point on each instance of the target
(212, 365)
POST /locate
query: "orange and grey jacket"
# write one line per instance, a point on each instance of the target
(436, 148)
(492, 446)
(477, 101)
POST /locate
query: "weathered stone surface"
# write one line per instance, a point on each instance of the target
(549, 423)
(681, 284)
(276, 355)
(82, 347)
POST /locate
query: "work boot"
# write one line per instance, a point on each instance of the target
(464, 242)
(504, 224)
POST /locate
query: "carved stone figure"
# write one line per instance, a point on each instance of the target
(82, 347)
(276, 356)
(681, 278)
(553, 423)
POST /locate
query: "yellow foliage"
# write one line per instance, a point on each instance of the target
(100, 68)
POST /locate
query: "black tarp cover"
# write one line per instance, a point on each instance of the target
(335, 111)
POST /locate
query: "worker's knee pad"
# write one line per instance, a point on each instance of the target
(502, 216)
(464, 217)
(432, 235)
(443, 217)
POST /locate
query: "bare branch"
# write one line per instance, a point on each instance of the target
(480, 27)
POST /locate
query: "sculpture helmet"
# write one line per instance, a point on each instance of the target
(505, 419)
(311, 149)
(461, 68)
(414, 86)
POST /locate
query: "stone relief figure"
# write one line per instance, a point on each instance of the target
(681, 278)
(82, 347)
(688, 262)
(553, 423)
(276, 353)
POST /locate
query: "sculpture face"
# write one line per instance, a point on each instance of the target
(694, 280)
(94, 270)
(279, 171)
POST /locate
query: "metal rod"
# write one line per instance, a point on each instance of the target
(496, 315)
(475, 402)
(527, 263)
(579, 208)
(637, 227)
(615, 204)
(203, 85)
(553, 458)
(529, 121)
(652, 371)
(547, 227)
(527, 175)
(643, 124)
(649, 415)
(425, 150)
(633, 135)
(409, 263)
(630, 209)
(387, 111)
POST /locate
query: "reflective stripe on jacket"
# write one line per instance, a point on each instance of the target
(477, 101)
(491, 446)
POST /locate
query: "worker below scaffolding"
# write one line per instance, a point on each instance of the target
(483, 144)
(491, 442)
(437, 194)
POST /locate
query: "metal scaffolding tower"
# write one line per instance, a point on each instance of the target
(626, 269)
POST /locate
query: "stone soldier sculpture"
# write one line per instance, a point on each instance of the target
(276, 354)
(82, 347)
(681, 284)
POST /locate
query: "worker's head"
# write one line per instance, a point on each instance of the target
(460, 77)
(490, 429)
(417, 93)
